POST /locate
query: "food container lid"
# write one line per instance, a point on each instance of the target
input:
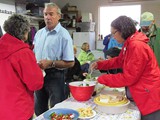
(118, 103)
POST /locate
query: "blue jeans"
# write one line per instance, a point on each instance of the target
(52, 91)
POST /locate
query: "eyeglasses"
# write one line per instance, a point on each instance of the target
(114, 32)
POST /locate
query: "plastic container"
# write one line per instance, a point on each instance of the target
(112, 109)
(86, 26)
(81, 93)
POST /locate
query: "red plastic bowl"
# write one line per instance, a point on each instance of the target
(81, 93)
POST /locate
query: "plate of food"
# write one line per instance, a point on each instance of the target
(61, 114)
(86, 113)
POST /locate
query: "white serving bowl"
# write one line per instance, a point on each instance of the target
(112, 109)
(98, 86)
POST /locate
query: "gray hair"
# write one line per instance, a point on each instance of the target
(125, 25)
(54, 5)
(17, 25)
(83, 47)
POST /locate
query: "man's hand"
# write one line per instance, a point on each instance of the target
(44, 64)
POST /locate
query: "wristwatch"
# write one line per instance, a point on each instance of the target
(53, 65)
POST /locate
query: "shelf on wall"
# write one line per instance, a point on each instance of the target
(37, 18)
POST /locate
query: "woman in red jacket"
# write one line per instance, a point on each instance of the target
(20, 74)
(140, 74)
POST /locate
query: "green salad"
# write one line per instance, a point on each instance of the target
(84, 84)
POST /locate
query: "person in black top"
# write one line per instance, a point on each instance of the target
(73, 74)
(111, 53)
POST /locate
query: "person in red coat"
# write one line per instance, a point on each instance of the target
(20, 74)
(140, 74)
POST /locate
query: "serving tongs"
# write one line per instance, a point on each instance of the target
(90, 78)
(89, 75)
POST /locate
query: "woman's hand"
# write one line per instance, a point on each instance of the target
(100, 58)
(84, 74)
(93, 66)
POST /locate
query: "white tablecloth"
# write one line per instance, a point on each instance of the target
(131, 114)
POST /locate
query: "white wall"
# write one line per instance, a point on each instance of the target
(93, 7)
(8, 5)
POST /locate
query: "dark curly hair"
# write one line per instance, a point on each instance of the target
(125, 25)
(17, 25)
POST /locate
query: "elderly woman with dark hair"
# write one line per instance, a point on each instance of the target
(140, 74)
(20, 74)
